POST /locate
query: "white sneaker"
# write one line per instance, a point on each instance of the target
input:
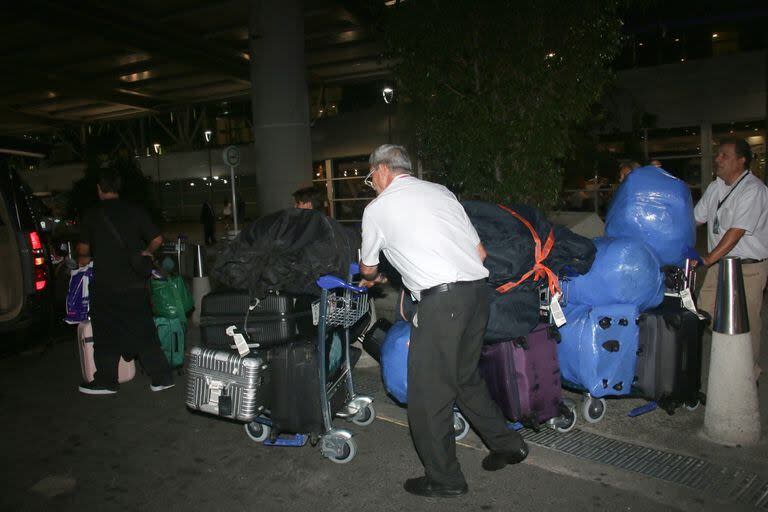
(90, 388)
(161, 387)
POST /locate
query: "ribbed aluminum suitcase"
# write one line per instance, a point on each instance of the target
(224, 384)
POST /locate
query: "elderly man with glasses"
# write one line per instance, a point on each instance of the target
(426, 235)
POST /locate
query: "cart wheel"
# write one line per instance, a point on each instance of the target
(348, 453)
(692, 405)
(593, 410)
(460, 426)
(566, 421)
(257, 431)
(365, 417)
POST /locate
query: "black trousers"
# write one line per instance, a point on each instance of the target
(209, 229)
(123, 326)
(442, 369)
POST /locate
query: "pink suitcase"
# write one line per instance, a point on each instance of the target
(125, 370)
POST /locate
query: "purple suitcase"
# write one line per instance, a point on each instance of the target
(523, 376)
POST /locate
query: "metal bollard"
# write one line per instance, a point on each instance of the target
(732, 415)
(201, 284)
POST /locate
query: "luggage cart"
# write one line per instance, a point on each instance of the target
(341, 304)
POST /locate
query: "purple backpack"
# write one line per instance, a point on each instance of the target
(78, 298)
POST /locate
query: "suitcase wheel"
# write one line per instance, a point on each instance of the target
(692, 405)
(258, 431)
(460, 426)
(593, 409)
(567, 419)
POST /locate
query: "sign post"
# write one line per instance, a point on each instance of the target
(232, 159)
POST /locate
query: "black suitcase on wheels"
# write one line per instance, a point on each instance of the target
(669, 355)
(276, 318)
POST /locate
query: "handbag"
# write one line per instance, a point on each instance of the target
(142, 265)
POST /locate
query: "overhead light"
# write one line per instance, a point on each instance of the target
(640, 44)
(208, 135)
(191, 184)
(682, 60)
(715, 35)
(157, 147)
(205, 178)
(216, 177)
(550, 55)
(387, 93)
(677, 39)
(225, 181)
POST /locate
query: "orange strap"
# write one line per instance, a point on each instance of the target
(540, 253)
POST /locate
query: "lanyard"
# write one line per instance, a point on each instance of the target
(720, 203)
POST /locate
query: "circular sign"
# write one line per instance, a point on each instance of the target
(232, 156)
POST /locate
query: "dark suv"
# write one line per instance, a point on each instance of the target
(25, 268)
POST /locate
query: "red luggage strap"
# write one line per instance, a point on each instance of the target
(539, 270)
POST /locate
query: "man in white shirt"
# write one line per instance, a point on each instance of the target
(735, 208)
(426, 235)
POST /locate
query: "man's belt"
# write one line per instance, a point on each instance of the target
(749, 261)
(446, 287)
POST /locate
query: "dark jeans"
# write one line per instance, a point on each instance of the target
(442, 369)
(123, 326)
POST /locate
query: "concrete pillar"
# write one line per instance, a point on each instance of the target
(280, 101)
(706, 155)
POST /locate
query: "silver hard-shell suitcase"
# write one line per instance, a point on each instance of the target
(224, 384)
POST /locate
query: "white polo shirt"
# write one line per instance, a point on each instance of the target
(424, 233)
(746, 208)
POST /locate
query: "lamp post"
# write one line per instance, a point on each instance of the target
(388, 94)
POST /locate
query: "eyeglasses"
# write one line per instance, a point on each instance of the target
(369, 177)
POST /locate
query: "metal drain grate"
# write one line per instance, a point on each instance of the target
(735, 485)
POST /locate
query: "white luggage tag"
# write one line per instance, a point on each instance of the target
(240, 344)
(687, 298)
(557, 312)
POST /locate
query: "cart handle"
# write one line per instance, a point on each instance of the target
(329, 282)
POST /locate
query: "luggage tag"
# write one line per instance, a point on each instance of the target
(240, 344)
(687, 299)
(557, 312)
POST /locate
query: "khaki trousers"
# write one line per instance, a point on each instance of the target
(755, 275)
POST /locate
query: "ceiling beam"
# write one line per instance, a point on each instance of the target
(122, 26)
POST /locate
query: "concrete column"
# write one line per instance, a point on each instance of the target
(280, 101)
(706, 155)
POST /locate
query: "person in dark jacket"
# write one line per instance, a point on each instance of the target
(208, 219)
(121, 238)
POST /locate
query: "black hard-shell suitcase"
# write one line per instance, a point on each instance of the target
(669, 355)
(276, 318)
(294, 406)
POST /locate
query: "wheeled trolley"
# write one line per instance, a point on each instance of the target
(341, 306)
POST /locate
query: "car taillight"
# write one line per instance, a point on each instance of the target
(38, 261)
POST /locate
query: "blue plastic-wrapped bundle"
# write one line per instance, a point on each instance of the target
(598, 348)
(394, 361)
(625, 271)
(655, 207)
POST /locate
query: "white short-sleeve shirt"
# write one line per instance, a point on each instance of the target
(424, 233)
(746, 208)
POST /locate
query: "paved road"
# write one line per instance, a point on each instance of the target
(144, 451)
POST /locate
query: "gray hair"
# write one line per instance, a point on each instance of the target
(394, 157)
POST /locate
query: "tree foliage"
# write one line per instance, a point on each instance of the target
(495, 86)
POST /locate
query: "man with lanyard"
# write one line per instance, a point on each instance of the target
(426, 235)
(735, 208)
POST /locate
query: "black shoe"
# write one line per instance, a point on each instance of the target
(422, 486)
(91, 388)
(498, 460)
